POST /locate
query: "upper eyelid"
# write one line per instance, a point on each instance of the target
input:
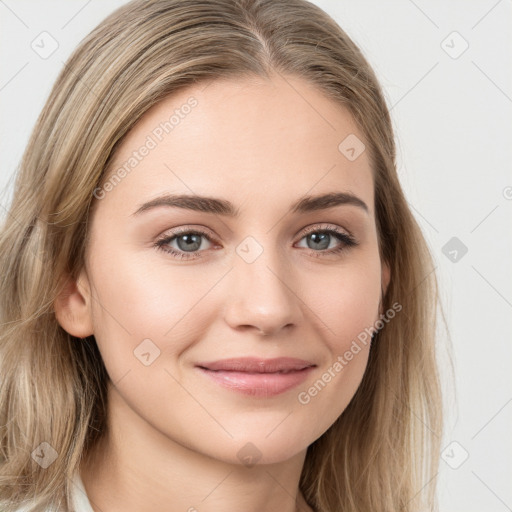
(202, 231)
(324, 227)
(185, 230)
(207, 232)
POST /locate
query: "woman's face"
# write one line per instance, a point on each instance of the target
(178, 284)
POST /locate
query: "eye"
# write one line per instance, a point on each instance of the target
(188, 243)
(320, 238)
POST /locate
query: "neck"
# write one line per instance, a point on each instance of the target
(134, 467)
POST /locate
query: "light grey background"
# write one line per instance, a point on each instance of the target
(452, 111)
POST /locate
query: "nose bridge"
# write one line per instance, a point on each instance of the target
(262, 295)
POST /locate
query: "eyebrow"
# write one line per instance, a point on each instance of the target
(223, 207)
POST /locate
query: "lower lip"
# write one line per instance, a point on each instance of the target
(258, 384)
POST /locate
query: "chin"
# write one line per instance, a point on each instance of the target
(258, 449)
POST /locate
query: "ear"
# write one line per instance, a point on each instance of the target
(73, 306)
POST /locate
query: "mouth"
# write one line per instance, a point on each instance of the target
(258, 377)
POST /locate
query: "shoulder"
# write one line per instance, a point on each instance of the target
(80, 499)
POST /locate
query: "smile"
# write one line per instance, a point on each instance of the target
(258, 378)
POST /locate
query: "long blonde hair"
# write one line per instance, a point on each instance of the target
(381, 453)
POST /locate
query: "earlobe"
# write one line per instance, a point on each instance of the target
(72, 307)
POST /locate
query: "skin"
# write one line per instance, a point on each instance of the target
(174, 434)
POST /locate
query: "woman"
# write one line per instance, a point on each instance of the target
(214, 294)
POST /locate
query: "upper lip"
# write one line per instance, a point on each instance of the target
(256, 365)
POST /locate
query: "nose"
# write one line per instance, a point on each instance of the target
(261, 296)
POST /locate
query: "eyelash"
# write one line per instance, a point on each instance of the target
(347, 242)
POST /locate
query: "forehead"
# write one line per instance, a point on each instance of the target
(244, 137)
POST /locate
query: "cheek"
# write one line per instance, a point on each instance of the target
(346, 301)
(136, 302)
(346, 305)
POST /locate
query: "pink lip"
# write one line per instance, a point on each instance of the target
(258, 377)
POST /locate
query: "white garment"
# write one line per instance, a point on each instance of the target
(80, 499)
(81, 502)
